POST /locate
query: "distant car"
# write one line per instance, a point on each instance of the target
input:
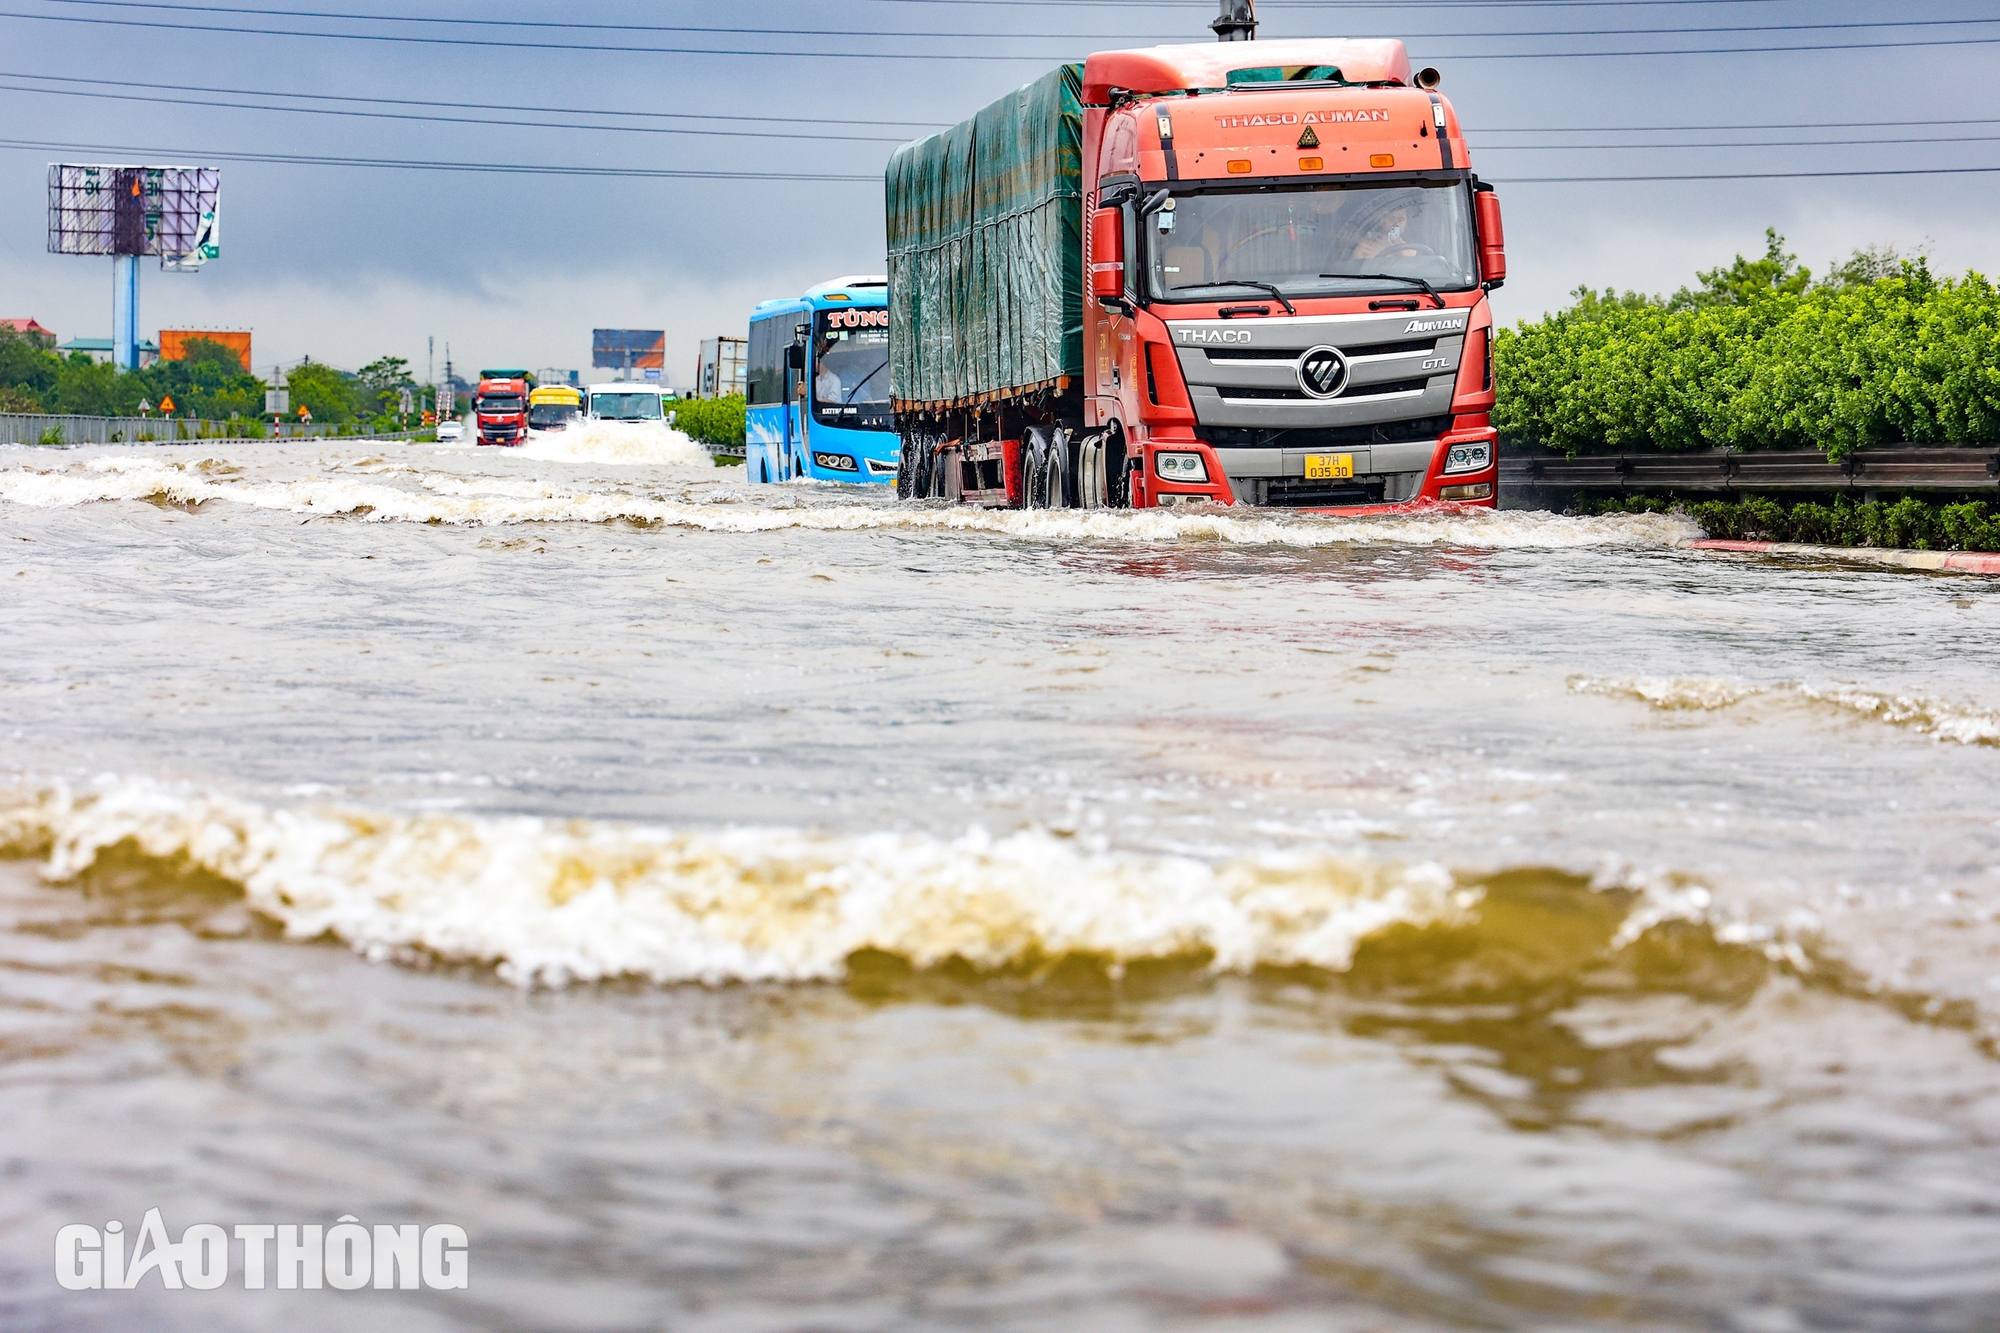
(451, 430)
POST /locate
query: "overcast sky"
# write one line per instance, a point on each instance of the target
(346, 264)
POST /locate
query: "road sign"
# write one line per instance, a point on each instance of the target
(167, 404)
(144, 407)
(305, 413)
(404, 403)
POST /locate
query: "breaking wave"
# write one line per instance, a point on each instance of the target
(624, 442)
(549, 902)
(436, 496)
(1964, 725)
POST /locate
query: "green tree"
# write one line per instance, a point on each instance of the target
(26, 367)
(1747, 280)
(327, 393)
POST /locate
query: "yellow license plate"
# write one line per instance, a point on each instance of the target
(1329, 467)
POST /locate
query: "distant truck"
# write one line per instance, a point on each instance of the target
(1242, 273)
(500, 406)
(553, 406)
(624, 400)
(722, 369)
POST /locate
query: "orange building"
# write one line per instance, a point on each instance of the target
(173, 342)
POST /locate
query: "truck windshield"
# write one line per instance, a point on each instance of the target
(626, 406)
(1322, 240)
(850, 369)
(500, 402)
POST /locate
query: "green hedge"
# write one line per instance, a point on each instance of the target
(712, 421)
(1906, 524)
(1761, 357)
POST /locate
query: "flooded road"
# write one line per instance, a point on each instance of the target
(776, 908)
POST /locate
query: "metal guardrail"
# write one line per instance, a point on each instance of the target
(1942, 468)
(34, 428)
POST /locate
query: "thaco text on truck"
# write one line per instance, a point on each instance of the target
(1241, 272)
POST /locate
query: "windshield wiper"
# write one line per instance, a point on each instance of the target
(1429, 290)
(849, 400)
(1244, 282)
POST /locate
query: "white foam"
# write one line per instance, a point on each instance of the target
(1963, 724)
(474, 500)
(550, 902)
(633, 443)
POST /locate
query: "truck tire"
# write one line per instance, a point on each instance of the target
(906, 470)
(1093, 472)
(1038, 468)
(1062, 470)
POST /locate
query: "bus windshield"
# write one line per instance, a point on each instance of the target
(851, 369)
(626, 406)
(1325, 240)
(542, 416)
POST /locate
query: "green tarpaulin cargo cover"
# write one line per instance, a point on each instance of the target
(985, 250)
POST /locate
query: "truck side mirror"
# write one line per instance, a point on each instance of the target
(1107, 254)
(1492, 238)
(795, 356)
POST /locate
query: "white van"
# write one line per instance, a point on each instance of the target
(628, 402)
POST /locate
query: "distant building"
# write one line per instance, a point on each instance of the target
(99, 349)
(28, 328)
(573, 378)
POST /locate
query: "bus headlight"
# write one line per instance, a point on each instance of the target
(1180, 467)
(1468, 458)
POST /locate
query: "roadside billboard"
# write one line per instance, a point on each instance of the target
(629, 349)
(173, 342)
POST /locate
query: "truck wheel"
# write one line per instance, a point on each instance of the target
(906, 470)
(1060, 472)
(1035, 469)
(1090, 473)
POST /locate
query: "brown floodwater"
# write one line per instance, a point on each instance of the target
(773, 908)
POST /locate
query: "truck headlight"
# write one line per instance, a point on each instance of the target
(1180, 467)
(1468, 458)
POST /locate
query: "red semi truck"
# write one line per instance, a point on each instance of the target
(500, 407)
(1243, 273)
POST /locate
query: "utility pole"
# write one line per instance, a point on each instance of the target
(1238, 21)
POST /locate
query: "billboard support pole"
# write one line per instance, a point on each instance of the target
(125, 312)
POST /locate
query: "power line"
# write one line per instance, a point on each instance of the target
(405, 164)
(921, 125)
(407, 116)
(664, 173)
(629, 49)
(350, 16)
(459, 106)
(1747, 176)
(1693, 129)
(854, 138)
(1766, 143)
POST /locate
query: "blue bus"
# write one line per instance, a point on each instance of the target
(819, 386)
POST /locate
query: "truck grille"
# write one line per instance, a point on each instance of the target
(1296, 493)
(1301, 396)
(1243, 373)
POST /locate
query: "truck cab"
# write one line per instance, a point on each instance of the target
(500, 407)
(1289, 258)
(553, 406)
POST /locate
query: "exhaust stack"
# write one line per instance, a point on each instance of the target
(1238, 22)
